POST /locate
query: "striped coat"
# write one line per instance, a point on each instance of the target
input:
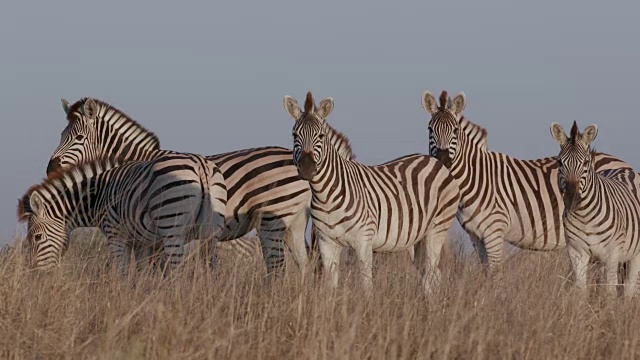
(502, 198)
(165, 202)
(407, 202)
(264, 190)
(602, 210)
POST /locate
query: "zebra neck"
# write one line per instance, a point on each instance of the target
(124, 138)
(469, 159)
(331, 180)
(84, 202)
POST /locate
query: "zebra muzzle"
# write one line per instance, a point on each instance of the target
(54, 164)
(571, 195)
(306, 166)
(443, 156)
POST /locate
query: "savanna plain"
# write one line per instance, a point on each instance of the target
(85, 309)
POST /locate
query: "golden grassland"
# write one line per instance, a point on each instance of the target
(86, 310)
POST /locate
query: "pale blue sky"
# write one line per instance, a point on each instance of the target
(209, 77)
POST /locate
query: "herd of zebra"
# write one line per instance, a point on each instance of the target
(110, 172)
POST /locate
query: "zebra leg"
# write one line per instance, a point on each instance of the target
(633, 273)
(478, 245)
(271, 235)
(173, 252)
(427, 258)
(295, 240)
(412, 254)
(494, 246)
(611, 270)
(330, 252)
(364, 254)
(579, 261)
(121, 250)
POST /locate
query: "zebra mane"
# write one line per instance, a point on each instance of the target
(575, 133)
(474, 132)
(96, 166)
(340, 142)
(122, 117)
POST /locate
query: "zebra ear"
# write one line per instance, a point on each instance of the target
(558, 134)
(292, 108)
(325, 107)
(589, 134)
(90, 108)
(458, 103)
(429, 103)
(65, 106)
(24, 209)
(36, 203)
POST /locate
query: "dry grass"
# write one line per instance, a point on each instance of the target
(84, 310)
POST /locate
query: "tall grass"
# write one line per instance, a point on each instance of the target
(85, 310)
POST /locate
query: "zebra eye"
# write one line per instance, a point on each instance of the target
(79, 137)
(37, 237)
(320, 136)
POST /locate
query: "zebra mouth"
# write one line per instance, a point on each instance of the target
(54, 165)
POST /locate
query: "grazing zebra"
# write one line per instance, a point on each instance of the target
(264, 190)
(602, 210)
(502, 198)
(172, 199)
(407, 202)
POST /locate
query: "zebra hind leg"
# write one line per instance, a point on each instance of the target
(121, 250)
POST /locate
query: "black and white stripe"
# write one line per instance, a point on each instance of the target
(167, 201)
(264, 190)
(602, 210)
(407, 202)
(502, 198)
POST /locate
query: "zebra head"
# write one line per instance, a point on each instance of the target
(444, 125)
(46, 235)
(79, 138)
(574, 161)
(309, 133)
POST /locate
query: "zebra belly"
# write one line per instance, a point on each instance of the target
(531, 236)
(262, 186)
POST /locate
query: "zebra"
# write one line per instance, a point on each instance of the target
(172, 199)
(264, 190)
(502, 198)
(408, 202)
(602, 210)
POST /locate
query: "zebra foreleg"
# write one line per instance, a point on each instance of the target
(271, 236)
(330, 252)
(579, 261)
(631, 283)
(611, 270)
(295, 241)
(427, 257)
(364, 254)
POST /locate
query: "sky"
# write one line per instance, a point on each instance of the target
(209, 77)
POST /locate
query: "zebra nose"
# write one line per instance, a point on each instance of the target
(54, 164)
